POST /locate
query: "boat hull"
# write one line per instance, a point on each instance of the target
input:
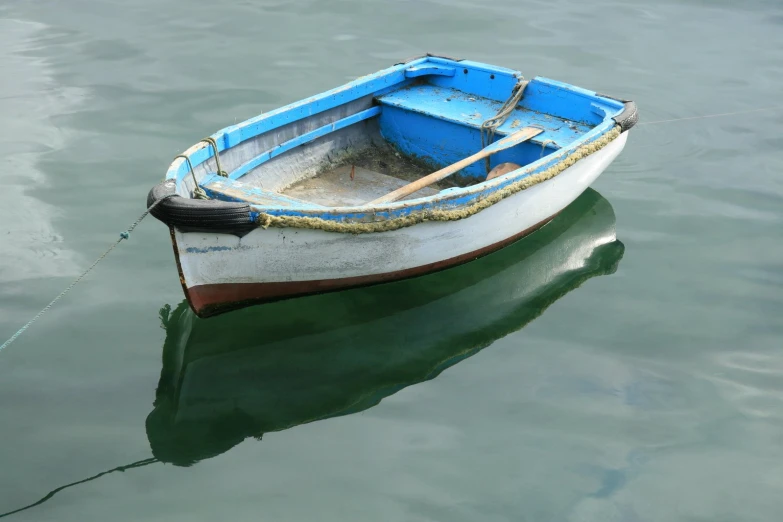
(221, 272)
(264, 370)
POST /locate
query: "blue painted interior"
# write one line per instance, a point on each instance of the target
(484, 81)
(432, 108)
(429, 70)
(443, 142)
(373, 84)
(409, 109)
(304, 138)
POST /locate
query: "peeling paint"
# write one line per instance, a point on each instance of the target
(206, 250)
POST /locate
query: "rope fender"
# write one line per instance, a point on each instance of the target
(237, 218)
(266, 220)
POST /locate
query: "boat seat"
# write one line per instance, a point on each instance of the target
(470, 110)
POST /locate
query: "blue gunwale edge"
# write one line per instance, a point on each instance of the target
(235, 134)
(302, 139)
(370, 85)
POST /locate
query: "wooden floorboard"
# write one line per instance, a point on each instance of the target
(336, 188)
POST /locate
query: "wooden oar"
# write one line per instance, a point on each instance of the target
(507, 142)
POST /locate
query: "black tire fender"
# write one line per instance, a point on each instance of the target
(199, 215)
(628, 117)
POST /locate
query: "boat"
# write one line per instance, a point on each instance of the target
(427, 164)
(267, 369)
(272, 368)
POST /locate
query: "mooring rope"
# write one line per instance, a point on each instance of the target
(123, 235)
(53, 492)
(491, 125)
(711, 115)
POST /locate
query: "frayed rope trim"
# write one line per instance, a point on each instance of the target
(267, 220)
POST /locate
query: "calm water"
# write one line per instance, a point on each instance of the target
(567, 378)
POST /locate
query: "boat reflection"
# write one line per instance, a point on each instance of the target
(272, 367)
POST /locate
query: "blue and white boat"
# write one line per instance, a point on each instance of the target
(257, 371)
(329, 192)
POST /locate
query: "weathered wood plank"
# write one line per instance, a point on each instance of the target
(336, 188)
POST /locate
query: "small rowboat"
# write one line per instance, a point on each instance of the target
(264, 370)
(430, 163)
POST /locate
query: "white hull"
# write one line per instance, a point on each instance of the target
(222, 271)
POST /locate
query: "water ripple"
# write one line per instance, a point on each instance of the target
(31, 98)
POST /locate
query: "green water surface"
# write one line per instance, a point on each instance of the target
(573, 376)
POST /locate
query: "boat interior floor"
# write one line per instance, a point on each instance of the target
(337, 188)
(376, 172)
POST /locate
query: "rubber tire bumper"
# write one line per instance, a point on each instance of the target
(199, 215)
(628, 117)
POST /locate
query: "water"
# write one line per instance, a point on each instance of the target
(640, 382)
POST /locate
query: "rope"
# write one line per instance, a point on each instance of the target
(543, 146)
(53, 492)
(123, 235)
(363, 227)
(212, 142)
(712, 115)
(198, 192)
(491, 125)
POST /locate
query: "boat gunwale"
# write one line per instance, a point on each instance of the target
(447, 199)
(452, 198)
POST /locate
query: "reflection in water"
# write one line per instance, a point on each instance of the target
(126, 467)
(31, 99)
(272, 367)
(275, 366)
